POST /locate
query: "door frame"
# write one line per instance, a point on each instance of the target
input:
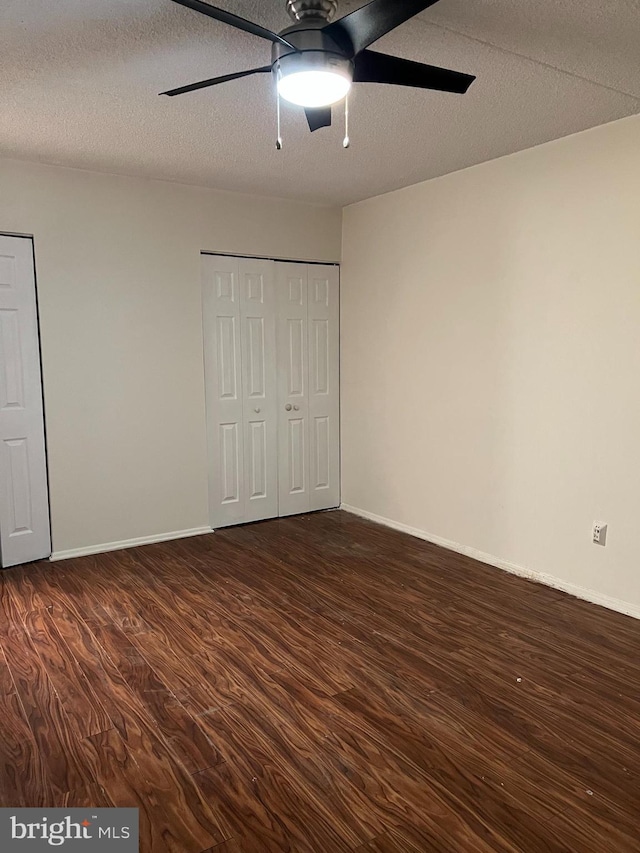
(32, 239)
(266, 258)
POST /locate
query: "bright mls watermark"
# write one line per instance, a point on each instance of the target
(79, 830)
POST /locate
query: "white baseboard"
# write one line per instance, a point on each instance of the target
(128, 543)
(540, 577)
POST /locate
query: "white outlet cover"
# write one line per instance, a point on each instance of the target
(600, 533)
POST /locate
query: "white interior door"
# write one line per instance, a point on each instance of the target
(223, 372)
(324, 393)
(293, 381)
(24, 500)
(308, 387)
(239, 349)
(260, 413)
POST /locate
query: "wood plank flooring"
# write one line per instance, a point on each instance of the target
(320, 684)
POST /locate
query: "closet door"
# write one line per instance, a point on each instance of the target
(223, 373)
(308, 387)
(324, 393)
(24, 501)
(293, 396)
(239, 347)
(260, 411)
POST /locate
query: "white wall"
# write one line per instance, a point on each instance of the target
(491, 359)
(117, 262)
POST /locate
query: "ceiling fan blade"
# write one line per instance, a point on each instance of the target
(318, 117)
(203, 84)
(372, 67)
(233, 20)
(362, 27)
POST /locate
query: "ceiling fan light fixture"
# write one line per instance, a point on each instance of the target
(313, 79)
(314, 88)
(315, 61)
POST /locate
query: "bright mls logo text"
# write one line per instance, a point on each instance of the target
(82, 830)
(60, 831)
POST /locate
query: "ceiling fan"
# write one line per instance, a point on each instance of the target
(316, 60)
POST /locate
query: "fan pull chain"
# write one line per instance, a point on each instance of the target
(346, 142)
(279, 138)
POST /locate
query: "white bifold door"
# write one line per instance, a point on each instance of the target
(240, 370)
(24, 500)
(271, 338)
(308, 387)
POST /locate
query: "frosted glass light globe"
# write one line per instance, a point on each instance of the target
(314, 88)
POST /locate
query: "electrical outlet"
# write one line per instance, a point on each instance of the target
(599, 533)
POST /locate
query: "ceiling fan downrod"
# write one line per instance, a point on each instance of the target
(299, 10)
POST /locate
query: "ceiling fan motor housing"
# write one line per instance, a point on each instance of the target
(314, 50)
(301, 9)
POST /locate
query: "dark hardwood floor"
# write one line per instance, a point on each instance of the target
(320, 684)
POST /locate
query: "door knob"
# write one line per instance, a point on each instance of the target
(296, 408)
(257, 410)
(288, 407)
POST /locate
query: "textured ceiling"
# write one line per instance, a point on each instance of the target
(79, 82)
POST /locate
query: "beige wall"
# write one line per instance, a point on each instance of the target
(117, 262)
(491, 359)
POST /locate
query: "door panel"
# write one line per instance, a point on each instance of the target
(227, 358)
(296, 467)
(324, 391)
(230, 464)
(256, 358)
(19, 486)
(296, 362)
(258, 312)
(293, 377)
(321, 465)
(24, 499)
(319, 357)
(223, 373)
(11, 366)
(258, 460)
